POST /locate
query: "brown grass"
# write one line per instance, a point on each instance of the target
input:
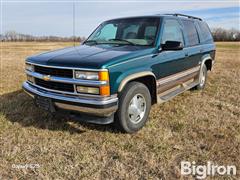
(196, 126)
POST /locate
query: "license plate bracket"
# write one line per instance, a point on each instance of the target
(44, 103)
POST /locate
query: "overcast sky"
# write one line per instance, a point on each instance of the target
(56, 17)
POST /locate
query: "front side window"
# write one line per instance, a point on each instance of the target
(132, 31)
(108, 31)
(171, 31)
(191, 33)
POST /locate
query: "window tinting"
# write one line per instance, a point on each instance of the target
(130, 32)
(171, 31)
(138, 31)
(150, 32)
(205, 34)
(191, 32)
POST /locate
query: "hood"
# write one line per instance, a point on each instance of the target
(84, 56)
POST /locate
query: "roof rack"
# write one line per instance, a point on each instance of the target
(184, 15)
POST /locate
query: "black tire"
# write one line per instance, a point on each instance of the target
(201, 84)
(122, 119)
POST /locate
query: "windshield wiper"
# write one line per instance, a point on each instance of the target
(123, 40)
(94, 42)
(91, 41)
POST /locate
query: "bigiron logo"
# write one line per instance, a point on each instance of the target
(210, 169)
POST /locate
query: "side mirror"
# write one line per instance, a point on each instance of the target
(172, 46)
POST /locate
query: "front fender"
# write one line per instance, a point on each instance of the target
(125, 76)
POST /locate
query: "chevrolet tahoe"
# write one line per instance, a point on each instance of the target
(124, 67)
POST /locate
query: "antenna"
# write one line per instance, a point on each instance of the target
(74, 23)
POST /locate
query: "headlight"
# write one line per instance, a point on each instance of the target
(97, 76)
(30, 79)
(29, 67)
(87, 90)
(86, 75)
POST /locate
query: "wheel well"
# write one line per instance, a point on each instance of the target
(150, 82)
(208, 64)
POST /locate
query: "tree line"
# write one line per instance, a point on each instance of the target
(18, 37)
(219, 34)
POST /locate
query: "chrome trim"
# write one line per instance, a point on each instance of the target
(106, 112)
(64, 67)
(204, 59)
(75, 99)
(68, 80)
(28, 93)
(134, 76)
(213, 62)
(177, 76)
(175, 91)
(70, 93)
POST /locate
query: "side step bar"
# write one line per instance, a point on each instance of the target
(169, 94)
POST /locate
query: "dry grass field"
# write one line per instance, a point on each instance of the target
(195, 126)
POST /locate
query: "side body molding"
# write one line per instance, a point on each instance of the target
(134, 76)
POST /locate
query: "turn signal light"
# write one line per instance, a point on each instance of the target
(103, 76)
(104, 90)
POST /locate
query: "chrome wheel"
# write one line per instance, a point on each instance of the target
(137, 108)
(202, 77)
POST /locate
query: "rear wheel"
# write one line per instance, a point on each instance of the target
(202, 78)
(134, 107)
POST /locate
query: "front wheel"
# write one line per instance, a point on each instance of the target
(134, 107)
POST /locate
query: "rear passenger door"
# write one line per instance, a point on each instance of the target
(193, 50)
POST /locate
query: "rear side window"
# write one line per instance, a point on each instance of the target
(205, 33)
(191, 32)
(171, 31)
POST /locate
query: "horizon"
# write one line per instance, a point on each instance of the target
(56, 18)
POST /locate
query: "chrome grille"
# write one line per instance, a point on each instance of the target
(67, 73)
(60, 79)
(55, 85)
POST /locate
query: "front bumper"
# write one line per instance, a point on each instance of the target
(102, 107)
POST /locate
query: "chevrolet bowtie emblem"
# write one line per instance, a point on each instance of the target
(47, 78)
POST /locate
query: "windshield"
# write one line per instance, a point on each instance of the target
(132, 31)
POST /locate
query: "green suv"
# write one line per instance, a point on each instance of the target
(125, 66)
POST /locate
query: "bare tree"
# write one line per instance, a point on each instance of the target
(220, 34)
(14, 36)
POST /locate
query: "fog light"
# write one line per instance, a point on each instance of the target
(87, 90)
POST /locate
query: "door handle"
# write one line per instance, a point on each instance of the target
(201, 50)
(186, 55)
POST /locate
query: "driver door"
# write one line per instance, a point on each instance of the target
(170, 62)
